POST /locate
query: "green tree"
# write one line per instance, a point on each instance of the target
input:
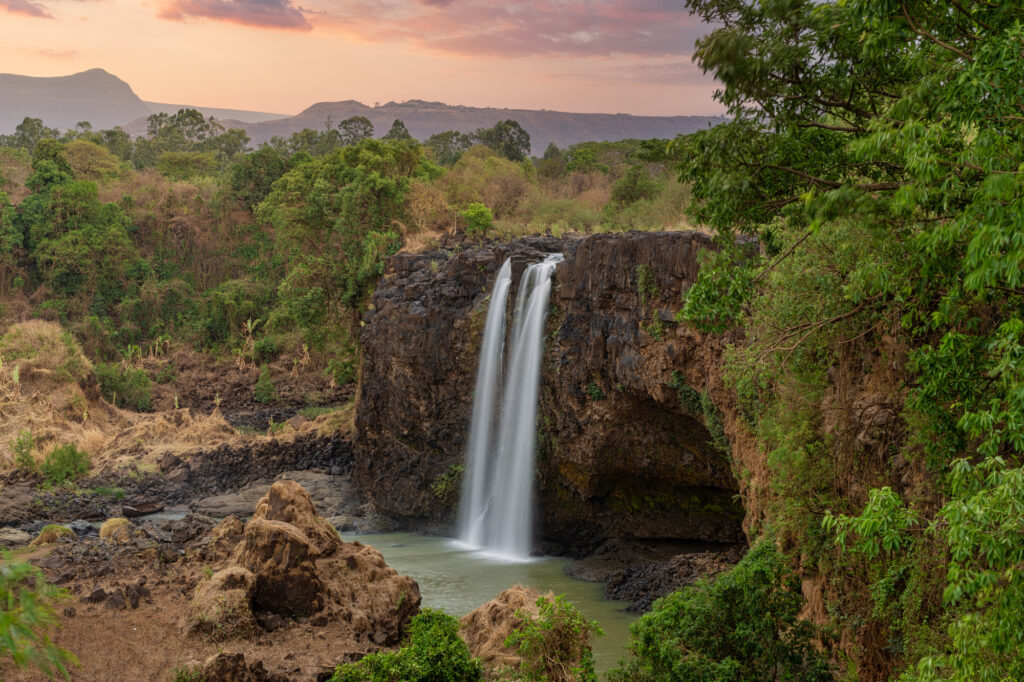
(252, 175)
(28, 133)
(26, 617)
(355, 129)
(894, 129)
(506, 138)
(336, 219)
(477, 219)
(398, 131)
(741, 626)
(433, 653)
(446, 148)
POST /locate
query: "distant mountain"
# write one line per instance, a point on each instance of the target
(95, 96)
(106, 101)
(424, 119)
(239, 115)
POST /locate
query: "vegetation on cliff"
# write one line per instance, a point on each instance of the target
(874, 149)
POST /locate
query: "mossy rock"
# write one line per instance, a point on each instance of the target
(52, 533)
(117, 529)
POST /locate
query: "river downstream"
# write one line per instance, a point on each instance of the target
(458, 580)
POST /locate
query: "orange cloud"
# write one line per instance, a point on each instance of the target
(525, 28)
(32, 9)
(281, 14)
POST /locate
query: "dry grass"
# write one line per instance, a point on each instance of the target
(47, 389)
(486, 628)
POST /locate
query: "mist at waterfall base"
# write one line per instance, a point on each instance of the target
(496, 513)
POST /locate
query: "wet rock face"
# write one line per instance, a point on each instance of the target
(626, 444)
(420, 351)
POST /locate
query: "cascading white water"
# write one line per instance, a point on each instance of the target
(497, 502)
(488, 387)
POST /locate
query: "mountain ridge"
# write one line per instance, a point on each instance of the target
(105, 101)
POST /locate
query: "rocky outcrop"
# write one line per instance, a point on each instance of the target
(485, 628)
(290, 563)
(630, 441)
(233, 466)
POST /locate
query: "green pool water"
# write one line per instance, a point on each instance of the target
(457, 579)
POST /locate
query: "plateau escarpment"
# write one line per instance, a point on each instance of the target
(631, 444)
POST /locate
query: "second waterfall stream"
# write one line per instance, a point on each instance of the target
(496, 513)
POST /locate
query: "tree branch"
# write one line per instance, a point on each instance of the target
(925, 34)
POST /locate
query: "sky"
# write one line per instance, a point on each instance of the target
(280, 56)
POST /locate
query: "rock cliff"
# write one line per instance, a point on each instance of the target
(630, 441)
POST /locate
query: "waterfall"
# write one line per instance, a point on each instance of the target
(497, 502)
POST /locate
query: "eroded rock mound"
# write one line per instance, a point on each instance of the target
(281, 557)
(485, 628)
(290, 563)
(288, 502)
(221, 608)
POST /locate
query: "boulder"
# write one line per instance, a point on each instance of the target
(291, 563)
(117, 530)
(485, 628)
(52, 533)
(370, 595)
(221, 606)
(12, 537)
(281, 557)
(288, 502)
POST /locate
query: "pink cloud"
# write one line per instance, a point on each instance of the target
(281, 14)
(524, 28)
(32, 9)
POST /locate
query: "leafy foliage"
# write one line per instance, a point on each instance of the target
(878, 145)
(264, 391)
(434, 652)
(556, 645)
(742, 625)
(477, 219)
(25, 618)
(22, 447)
(125, 386)
(64, 463)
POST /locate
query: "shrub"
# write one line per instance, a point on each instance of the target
(342, 370)
(434, 653)
(266, 349)
(25, 618)
(556, 645)
(741, 626)
(477, 219)
(22, 448)
(265, 391)
(446, 486)
(646, 283)
(635, 185)
(64, 463)
(125, 386)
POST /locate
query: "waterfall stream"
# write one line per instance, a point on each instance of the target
(497, 502)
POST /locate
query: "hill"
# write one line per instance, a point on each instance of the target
(424, 119)
(106, 101)
(96, 96)
(240, 115)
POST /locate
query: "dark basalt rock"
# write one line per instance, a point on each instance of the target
(619, 453)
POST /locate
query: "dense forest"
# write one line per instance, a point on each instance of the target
(186, 236)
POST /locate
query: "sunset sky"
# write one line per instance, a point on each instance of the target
(628, 56)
